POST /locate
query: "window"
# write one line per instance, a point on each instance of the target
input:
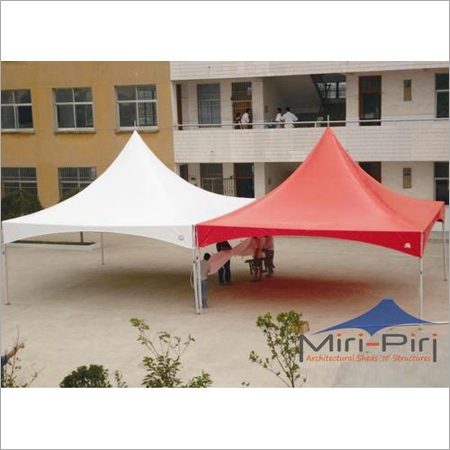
(75, 177)
(407, 178)
(16, 110)
(211, 176)
(208, 97)
(441, 95)
(373, 169)
(74, 108)
(184, 172)
(407, 90)
(441, 181)
(332, 90)
(136, 106)
(19, 179)
(370, 100)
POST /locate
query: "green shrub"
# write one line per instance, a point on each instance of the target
(282, 339)
(70, 193)
(19, 203)
(93, 376)
(164, 364)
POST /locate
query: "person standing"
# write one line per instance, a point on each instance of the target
(225, 271)
(278, 119)
(204, 272)
(245, 119)
(237, 121)
(257, 258)
(269, 251)
(289, 118)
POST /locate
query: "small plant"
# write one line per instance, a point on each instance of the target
(282, 338)
(94, 376)
(164, 364)
(19, 203)
(11, 370)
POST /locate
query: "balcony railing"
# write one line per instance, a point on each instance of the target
(306, 123)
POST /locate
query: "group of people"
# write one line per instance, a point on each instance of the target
(242, 121)
(263, 250)
(282, 120)
(285, 120)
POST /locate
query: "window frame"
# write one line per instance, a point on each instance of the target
(137, 101)
(78, 178)
(20, 180)
(211, 124)
(15, 106)
(436, 92)
(435, 178)
(74, 129)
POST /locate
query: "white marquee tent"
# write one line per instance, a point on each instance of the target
(136, 195)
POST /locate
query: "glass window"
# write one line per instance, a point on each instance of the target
(19, 179)
(16, 110)
(136, 106)
(407, 178)
(407, 90)
(74, 108)
(75, 177)
(441, 181)
(208, 98)
(373, 169)
(441, 95)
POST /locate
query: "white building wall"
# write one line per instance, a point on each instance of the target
(422, 105)
(203, 70)
(410, 141)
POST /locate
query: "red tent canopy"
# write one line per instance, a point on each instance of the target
(329, 195)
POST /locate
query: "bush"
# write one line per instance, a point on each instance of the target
(282, 339)
(93, 376)
(70, 193)
(164, 364)
(19, 203)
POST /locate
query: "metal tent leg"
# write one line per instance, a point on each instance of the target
(102, 249)
(5, 252)
(199, 283)
(421, 288)
(444, 250)
(194, 280)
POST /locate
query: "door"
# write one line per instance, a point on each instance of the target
(179, 107)
(370, 100)
(241, 99)
(244, 178)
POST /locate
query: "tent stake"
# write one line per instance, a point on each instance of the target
(7, 302)
(444, 250)
(102, 248)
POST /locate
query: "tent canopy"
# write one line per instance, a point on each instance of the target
(329, 195)
(136, 195)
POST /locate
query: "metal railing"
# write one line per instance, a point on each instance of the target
(308, 123)
(223, 186)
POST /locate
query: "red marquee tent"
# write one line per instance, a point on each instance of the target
(329, 195)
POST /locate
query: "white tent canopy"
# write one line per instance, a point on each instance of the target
(136, 195)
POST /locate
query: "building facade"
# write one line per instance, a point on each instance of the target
(391, 116)
(63, 123)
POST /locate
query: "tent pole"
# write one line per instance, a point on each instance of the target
(194, 280)
(102, 249)
(444, 250)
(199, 283)
(7, 302)
(421, 288)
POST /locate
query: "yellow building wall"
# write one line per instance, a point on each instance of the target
(47, 150)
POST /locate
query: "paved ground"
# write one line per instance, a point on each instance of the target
(73, 311)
